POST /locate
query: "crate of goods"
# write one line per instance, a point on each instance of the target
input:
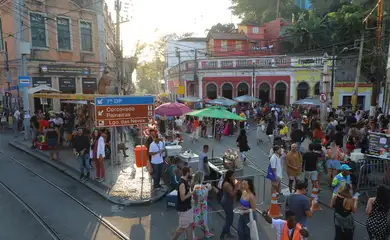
(190, 160)
(172, 199)
(173, 150)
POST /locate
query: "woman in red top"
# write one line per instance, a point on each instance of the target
(318, 134)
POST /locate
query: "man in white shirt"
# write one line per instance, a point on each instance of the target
(16, 121)
(156, 151)
(276, 165)
(179, 123)
(290, 224)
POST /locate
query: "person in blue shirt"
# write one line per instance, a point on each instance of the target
(344, 176)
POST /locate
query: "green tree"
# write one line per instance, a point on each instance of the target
(260, 11)
(132, 65)
(307, 33)
(222, 28)
(149, 75)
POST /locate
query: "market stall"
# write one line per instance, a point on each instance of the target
(82, 108)
(230, 159)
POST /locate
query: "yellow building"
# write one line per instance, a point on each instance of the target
(343, 94)
(305, 83)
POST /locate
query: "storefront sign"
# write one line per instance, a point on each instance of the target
(89, 85)
(38, 81)
(67, 84)
(64, 70)
(65, 96)
(123, 110)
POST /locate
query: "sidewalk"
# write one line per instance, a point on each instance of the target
(124, 184)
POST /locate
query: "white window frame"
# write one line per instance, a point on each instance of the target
(223, 46)
(239, 45)
(1, 36)
(46, 30)
(70, 32)
(81, 49)
(255, 30)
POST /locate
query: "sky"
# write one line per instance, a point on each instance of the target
(151, 19)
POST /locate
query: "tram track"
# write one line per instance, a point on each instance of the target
(54, 234)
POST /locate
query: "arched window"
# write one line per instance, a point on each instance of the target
(302, 90)
(227, 90)
(281, 93)
(264, 92)
(242, 89)
(317, 90)
(211, 91)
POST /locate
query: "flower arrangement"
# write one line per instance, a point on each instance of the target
(230, 159)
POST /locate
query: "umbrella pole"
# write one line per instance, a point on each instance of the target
(215, 129)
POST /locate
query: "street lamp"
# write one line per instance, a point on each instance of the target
(334, 58)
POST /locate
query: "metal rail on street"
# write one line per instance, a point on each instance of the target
(41, 220)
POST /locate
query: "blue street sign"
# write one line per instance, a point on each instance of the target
(123, 100)
(24, 81)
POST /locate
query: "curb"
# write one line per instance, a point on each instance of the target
(98, 188)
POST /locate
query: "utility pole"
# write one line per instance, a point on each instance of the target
(119, 58)
(333, 74)
(378, 76)
(325, 90)
(387, 99)
(8, 97)
(179, 58)
(26, 103)
(121, 67)
(277, 8)
(196, 68)
(357, 78)
(253, 79)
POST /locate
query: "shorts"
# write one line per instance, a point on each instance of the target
(333, 164)
(320, 166)
(293, 178)
(311, 174)
(186, 219)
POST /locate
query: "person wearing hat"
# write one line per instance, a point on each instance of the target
(343, 176)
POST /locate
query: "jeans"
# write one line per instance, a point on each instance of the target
(227, 205)
(157, 169)
(84, 163)
(298, 146)
(243, 229)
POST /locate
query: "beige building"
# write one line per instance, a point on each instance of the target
(67, 43)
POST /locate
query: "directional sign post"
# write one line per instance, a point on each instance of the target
(114, 111)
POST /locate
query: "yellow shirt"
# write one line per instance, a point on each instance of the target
(284, 131)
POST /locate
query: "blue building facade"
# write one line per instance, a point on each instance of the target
(303, 4)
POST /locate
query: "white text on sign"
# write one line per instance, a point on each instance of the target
(125, 122)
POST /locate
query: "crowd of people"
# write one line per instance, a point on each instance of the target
(326, 162)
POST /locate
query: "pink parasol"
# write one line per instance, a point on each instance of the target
(172, 109)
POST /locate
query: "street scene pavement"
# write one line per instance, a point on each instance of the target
(137, 222)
